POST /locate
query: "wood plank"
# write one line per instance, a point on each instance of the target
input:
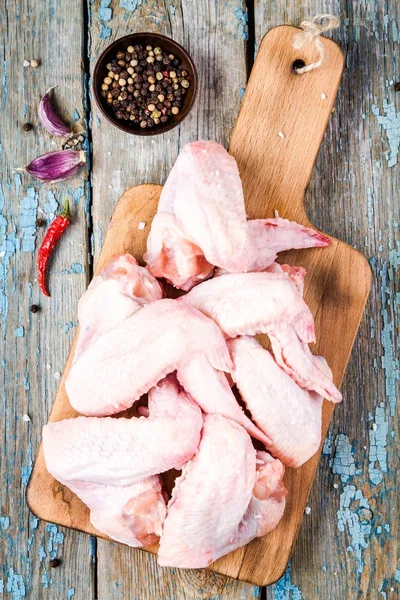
(353, 196)
(33, 347)
(336, 289)
(218, 49)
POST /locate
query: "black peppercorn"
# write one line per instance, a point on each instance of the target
(55, 562)
(163, 118)
(175, 62)
(124, 75)
(40, 222)
(27, 126)
(166, 61)
(138, 48)
(138, 69)
(34, 308)
(120, 55)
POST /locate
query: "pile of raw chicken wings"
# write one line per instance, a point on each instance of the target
(190, 356)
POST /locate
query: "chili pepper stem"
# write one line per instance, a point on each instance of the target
(66, 213)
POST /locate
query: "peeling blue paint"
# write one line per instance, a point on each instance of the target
(4, 523)
(397, 575)
(75, 269)
(26, 383)
(328, 444)
(172, 9)
(99, 239)
(242, 92)
(17, 180)
(15, 585)
(45, 580)
(55, 540)
(284, 589)
(76, 116)
(69, 326)
(105, 32)
(27, 219)
(390, 122)
(5, 84)
(377, 446)
(26, 472)
(243, 18)
(20, 332)
(130, 5)
(78, 193)
(349, 521)
(343, 462)
(50, 206)
(70, 593)
(105, 14)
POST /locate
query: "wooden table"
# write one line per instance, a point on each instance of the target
(348, 543)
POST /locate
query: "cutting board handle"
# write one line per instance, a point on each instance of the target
(282, 121)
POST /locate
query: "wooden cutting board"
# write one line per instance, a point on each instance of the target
(275, 142)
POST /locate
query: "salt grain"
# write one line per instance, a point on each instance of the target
(307, 510)
(335, 485)
(276, 213)
(374, 426)
(110, 186)
(48, 366)
(141, 225)
(27, 63)
(2, 253)
(26, 418)
(57, 375)
(281, 135)
(108, 153)
(323, 96)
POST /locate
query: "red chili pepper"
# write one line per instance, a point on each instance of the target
(53, 233)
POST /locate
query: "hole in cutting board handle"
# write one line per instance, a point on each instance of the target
(298, 64)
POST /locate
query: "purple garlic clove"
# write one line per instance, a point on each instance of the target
(56, 166)
(49, 118)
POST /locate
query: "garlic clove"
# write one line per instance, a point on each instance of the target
(56, 166)
(49, 118)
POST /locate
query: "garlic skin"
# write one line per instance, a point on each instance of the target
(56, 166)
(49, 118)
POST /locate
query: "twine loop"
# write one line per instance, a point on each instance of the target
(311, 31)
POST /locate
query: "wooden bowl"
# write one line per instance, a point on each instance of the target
(154, 39)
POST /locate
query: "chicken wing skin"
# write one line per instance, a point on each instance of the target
(289, 415)
(205, 193)
(120, 290)
(251, 303)
(126, 361)
(124, 451)
(210, 389)
(131, 514)
(113, 464)
(307, 370)
(216, 510)
(171, 255)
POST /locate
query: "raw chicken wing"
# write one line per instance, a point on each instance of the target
(251, 303)
(295, 357)
(210, 389)
(126, 361)
(124, 451)
(111, 464)
(288, 414)
(121, 289)
(222, 500)
(173, 256)
(205, 193)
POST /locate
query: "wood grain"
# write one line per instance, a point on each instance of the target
(215, 37)
(352, 196)
(336, 289)
(34, 347)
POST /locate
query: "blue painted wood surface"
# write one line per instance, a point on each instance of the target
(349, 542)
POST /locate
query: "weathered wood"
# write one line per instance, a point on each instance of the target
(336, 287)
(33, 347)
(340, 552)
(214, 34)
